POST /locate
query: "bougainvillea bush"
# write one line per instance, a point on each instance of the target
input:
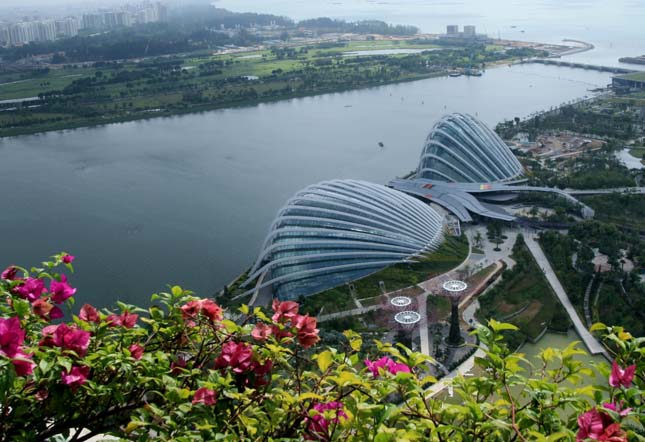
(185, 370)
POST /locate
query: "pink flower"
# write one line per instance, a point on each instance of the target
(205, 396)
(76, 377)
(261, 373)
(125, 319)
(178, 366)
(136, 351)
(23, 364)
(9, 273)
(261, 331)
(206, 307)
(44, 309)
(11, 337)
(618, 408)
(318, 424)
(620, 376)
(307, 331)
(212, 311)
(236, 355)
(89, 314)
(599, 426)
(61, 291)
(67, 338)
(67, 259)
(384, 364)
(284, 310)
(30, 289)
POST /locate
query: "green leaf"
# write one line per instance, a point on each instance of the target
(45, 365)
(324, 360)
(501, 326)
(176, 291)
(355, 340)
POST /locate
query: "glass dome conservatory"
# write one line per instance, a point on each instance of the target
(462, 149)
(339, 231)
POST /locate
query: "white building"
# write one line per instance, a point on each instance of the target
(469, 30)
(68, 27)
(46, 30)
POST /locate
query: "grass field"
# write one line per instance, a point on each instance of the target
(524, 298)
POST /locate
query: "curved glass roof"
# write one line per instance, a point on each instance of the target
(462, 149)
(339, 231)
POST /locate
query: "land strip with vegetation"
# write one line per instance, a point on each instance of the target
(523, 298)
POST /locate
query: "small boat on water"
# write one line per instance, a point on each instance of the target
(454, 74)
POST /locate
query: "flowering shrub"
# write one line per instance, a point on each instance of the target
(184, 370)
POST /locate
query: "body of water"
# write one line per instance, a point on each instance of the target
(188, 199)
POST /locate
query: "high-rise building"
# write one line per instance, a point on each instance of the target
(4, 34)
(469, 30)
(93, 21)
(46, 30)
(22, 33)
(68, 27)
(452, 29)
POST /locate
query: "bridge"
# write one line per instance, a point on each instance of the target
(571, 64)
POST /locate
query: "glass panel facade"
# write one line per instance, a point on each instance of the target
(337, 231)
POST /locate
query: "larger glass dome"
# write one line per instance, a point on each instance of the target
(339, 231)
(462, 149)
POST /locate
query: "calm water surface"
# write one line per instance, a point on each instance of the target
(187, 200)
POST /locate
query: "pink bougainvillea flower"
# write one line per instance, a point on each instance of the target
(41, 395)
(68, 259)
(261, 331)
(125, 319)
(11, 336)
(30, 289)
(235, 355)
(212, 311)
(318, 423)
(620, 376)
(618, 408)
(206, 307)
(386, 364)
(261, 373)
(61, 290)
(9, 273)
(307, 331)
(46, 310)
(23, 364)
(284, 310)
(136, 351)
(205, 396)
(178, 365)
(89, 314)
(76, 377)
(596, 425)
(67, 338)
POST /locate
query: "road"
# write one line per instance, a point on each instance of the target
(590, 342)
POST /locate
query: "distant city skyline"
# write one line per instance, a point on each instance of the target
(27, 29)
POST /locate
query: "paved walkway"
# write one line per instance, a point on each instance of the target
(590, 342)
(355, 312)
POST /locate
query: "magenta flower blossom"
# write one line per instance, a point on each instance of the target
(236, 355)
(386, 364)
(46, 310)
(125, 319)
(318, 424)
(61, 291)
(11, 336)
(89, 314)
(618, 408)
(30, 289)
(620, 376)
(599, 426)
(67, 259)
(23, 364)
(9, 273)
(67, 338)
(136, 351)
(76, 377)
(205, 396)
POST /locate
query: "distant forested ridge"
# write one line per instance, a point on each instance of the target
(325, 24)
